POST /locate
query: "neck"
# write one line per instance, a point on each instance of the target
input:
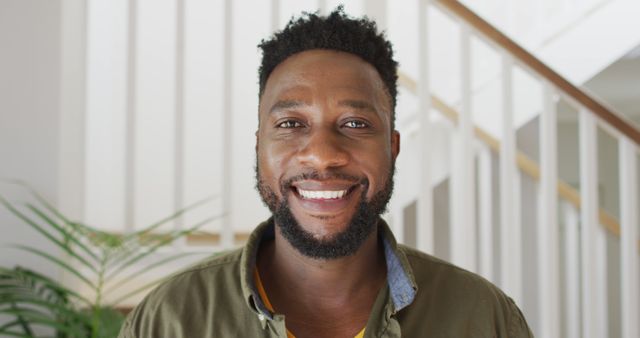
(329, 280)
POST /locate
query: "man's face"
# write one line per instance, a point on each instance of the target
(325, 151)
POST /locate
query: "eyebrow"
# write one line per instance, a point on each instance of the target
(289, 104)
(286, 104)
(357, 104)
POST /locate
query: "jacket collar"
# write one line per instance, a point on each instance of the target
(400, 278)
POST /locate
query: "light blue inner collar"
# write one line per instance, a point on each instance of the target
(400, 288)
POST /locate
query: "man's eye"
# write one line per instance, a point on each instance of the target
(289, 124)
(356, 124)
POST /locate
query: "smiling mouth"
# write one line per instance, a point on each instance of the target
(320, 195)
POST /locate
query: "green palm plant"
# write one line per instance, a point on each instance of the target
(97, 260)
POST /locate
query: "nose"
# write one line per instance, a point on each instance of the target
(324, 149)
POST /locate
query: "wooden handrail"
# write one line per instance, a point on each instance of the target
(526, 164)
(212, 238)
(616, 120)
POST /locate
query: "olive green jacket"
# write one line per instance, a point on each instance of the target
(424, 297)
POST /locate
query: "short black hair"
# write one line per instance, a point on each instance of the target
(336, 31)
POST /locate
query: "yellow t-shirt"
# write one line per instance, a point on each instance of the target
(267, 303)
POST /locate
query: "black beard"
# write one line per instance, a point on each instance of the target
(343, 244)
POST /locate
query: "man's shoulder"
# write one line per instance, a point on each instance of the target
(188, 294)
(454, 297)
(430, 269)
(205, 274)
(215, 262)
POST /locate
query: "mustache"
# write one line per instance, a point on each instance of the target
(316, 175)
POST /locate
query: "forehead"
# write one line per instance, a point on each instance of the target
(325, 74)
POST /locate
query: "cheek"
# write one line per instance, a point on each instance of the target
(272, 161)
(375, 165)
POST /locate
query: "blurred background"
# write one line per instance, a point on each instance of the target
(517, 163)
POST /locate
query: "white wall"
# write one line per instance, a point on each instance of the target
(563, 33)
(30, 47)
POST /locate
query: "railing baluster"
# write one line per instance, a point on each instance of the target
(602, 298)
(463, 229)
(485, 182)
(548, 257)
(594, 324)
(572, 271)
(510, 241)
(397, 224)
(630, 262)
(425, 199)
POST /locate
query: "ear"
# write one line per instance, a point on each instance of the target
(395, 144)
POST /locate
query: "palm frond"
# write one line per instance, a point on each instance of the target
(58, 262)
(38, 197)
(137, 234)
(7, 333)
(20, 279)
(32, 299)
(67, 235)
(56, 323)
(169, 238)
(44, 232)
(29, 298)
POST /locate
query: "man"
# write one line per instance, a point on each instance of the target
(326, 264)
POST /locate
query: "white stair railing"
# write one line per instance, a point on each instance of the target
(587, 314)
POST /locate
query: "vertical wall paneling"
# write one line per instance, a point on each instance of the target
(71, 150)
(548, 232)
(275, 15)
(109, 36)
(178, 149)
(203, 112)
(377, 10)
(425, 198)
(72, 147)
(570, 217)
(463, 229)
(354, 8)
(630, 262)
(594, 325)
(485, 212)
(283, 10)
(130, 151)
(510, 223)
(154, 141)
(246, 209)
(322, 6)
(227, 109)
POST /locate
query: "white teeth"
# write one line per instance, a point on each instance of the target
(313, 194)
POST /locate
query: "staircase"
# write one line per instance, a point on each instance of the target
(554, 241)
